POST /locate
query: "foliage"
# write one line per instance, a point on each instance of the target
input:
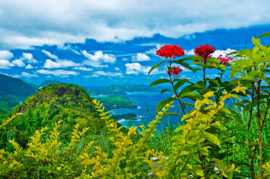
(48, 106)
(116, 102)
(13, 91)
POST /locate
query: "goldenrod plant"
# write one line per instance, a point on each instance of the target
(45, 160)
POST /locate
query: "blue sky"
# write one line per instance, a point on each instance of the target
(92, 43)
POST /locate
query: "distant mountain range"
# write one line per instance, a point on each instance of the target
(121, 89)
(13, 91)
(48, 82)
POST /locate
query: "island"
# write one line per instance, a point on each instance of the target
(121, 89)
(112, 102)
(128, 116)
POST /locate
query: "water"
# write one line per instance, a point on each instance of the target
(151, 100)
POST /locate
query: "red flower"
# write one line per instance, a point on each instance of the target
(223, 60)
(175, 71)
(171, 51)
(204, 51)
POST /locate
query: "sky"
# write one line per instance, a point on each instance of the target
(99, 43)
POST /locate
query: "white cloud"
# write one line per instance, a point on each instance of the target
(57, 72)
(116, 68)
(124, 59)
(93, 64)
(51, 64)
(136, 68)
(71, 48)
(5, 54)
(49, 54)
(29, 58)
(60, 64)
(83, 68)
(140, 57)
(28, 75)
(153, 51)
(222, 52)
(5, 64)
(107, 73)
(15, 76)
(190, 37)
(99, 57)
(76, 21)
(29, 67)
(18, 62)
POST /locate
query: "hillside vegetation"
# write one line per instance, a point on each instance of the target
(13, 91)
(55, 102)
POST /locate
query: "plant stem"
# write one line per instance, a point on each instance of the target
(251, 167)
(176, 91)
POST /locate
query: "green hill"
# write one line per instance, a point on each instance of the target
(13, 91)
(55, 102)
(48, 82)
(121, 89)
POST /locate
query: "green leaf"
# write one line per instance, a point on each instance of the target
(159, 81)
(263, 60)
(155, 66)
(163, 103)
(179, 83)
(235, 81)
(212, 60)
(211, 138)
(221, 67)
(246, 52)
(264, 35)
(186, 65)
(191, 95)
(230, 175)
(232, 53)
(172, 113)
(164, 90)
(236, 116)
(192, 58)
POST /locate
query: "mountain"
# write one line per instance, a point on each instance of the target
(55, 102)
(121, 89)
(48, 82)
(13, 91)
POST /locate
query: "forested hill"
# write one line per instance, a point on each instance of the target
(48, 82)
(55, 102)
(13, 90)
(121, 89)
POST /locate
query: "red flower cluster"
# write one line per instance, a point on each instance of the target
(175, 71)
(204, 51)
(171, 51)
(223, 60)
